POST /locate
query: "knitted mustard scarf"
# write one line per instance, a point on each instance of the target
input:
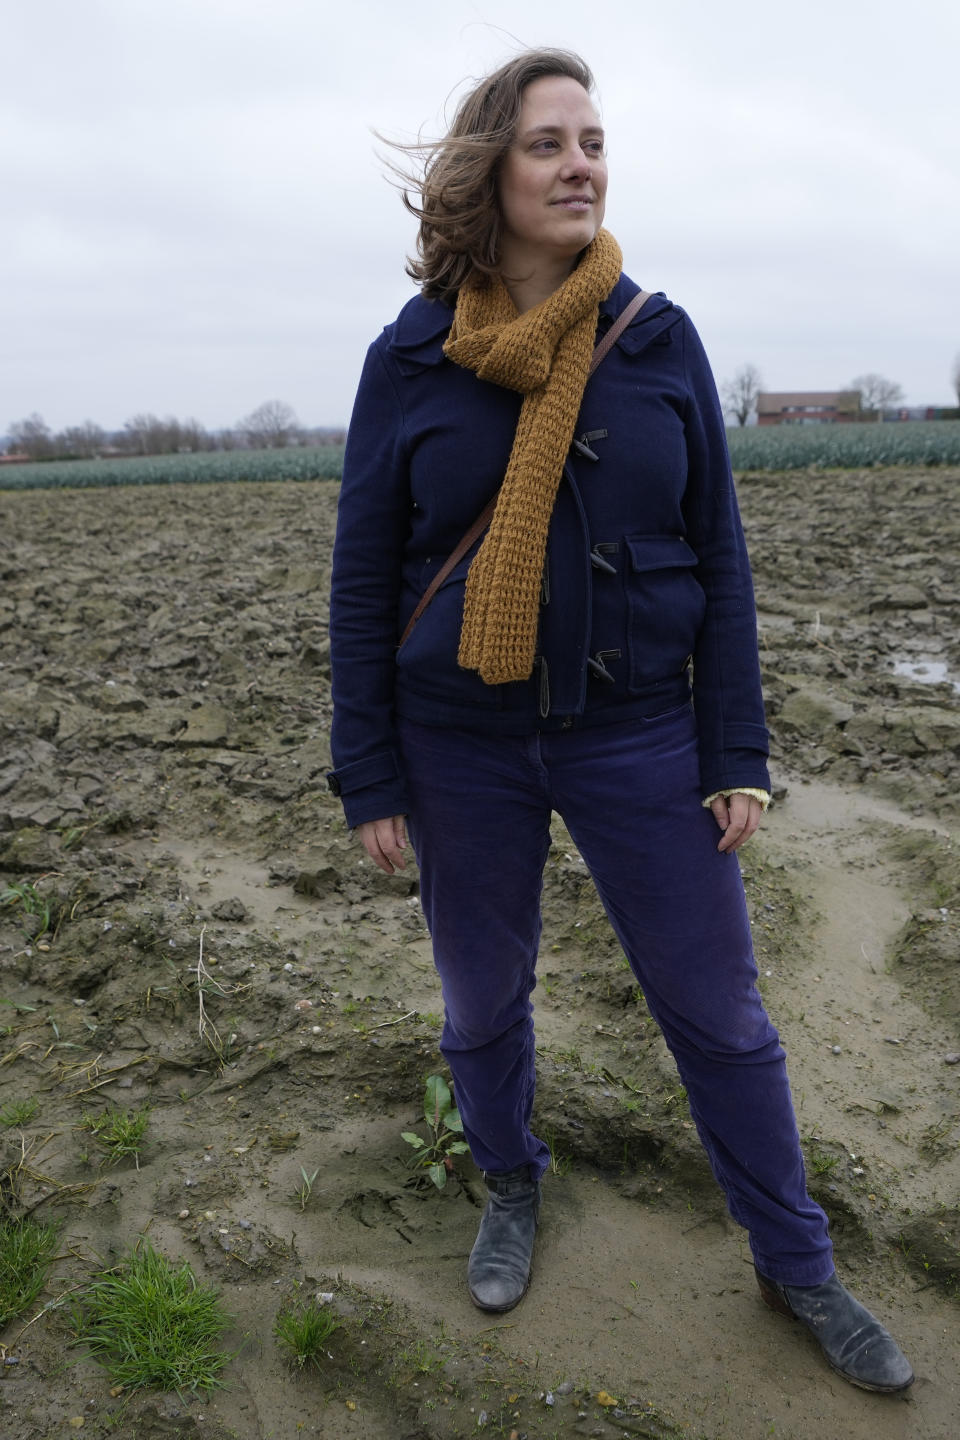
(545, 355)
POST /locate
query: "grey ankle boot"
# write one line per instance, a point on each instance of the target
(499, 1270)
(856, 1345)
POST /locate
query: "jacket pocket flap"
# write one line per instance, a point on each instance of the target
(659, 552)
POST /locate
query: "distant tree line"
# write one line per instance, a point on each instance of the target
(877, 393)
(271, 426)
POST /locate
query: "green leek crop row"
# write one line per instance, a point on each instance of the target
(775, 447)
(322, 462)
(793, 447)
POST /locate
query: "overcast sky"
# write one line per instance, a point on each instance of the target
(194, 219)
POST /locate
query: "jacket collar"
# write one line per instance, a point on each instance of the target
(657, 316)
(416, 337)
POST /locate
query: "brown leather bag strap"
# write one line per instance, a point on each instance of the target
(486, 515)
(454, 558)
(618, 327)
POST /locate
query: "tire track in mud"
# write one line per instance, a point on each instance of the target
(868, 1060)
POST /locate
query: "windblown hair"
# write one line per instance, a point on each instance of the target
(459, 209)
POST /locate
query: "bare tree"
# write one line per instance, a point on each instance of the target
(81, 441)
(149, 435)
(31, 437)
(142, 432)
(271, 426)
(740, 394)
(876, 391)
(193, 435)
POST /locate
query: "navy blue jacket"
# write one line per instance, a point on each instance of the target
(646, 564)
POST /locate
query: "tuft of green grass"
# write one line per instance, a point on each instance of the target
(819, 1160)
(18, 1112)
(560, 1164)
(26, 1254)
(119, 1132)
(35, 909)
(303, 1332)
(152, 1324)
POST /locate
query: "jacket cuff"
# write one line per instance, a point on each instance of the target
(370, 789)
(371, 770)
(379, 802)
(742, 770)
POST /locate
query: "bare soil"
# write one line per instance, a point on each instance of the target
(164, 712)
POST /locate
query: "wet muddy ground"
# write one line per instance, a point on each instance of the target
(164, 716)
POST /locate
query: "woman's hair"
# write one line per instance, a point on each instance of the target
(459, 210)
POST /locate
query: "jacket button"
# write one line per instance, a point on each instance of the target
(567, 722)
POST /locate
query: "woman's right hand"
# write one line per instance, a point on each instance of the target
(385, 842)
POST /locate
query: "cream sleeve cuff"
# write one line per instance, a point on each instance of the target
(762, 795)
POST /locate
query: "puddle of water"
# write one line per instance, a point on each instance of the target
(931, 672)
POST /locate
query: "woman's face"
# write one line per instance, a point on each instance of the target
(553, 179)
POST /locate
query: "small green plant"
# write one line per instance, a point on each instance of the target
(305, 1189)
(421, 1358)
(73, 836)
(119, 1132)
(35, 909)
(18, 1112)
(436, 1155)
(210, 1036)
(819, 1160)
(559, 1164)
(150, 1323)
(303, 1331)
(936, 1142)
(26, 1254)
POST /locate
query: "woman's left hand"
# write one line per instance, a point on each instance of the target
(738, 816)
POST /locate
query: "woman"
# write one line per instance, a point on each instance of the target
(551, 670)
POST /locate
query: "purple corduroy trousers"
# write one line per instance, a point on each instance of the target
(629, 795)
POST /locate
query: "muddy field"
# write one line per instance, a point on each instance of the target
(216, 949)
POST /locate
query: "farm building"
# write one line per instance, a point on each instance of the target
(807, 407)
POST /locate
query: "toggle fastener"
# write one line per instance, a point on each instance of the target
(596, 666)
(598, 563)
(582, 444)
